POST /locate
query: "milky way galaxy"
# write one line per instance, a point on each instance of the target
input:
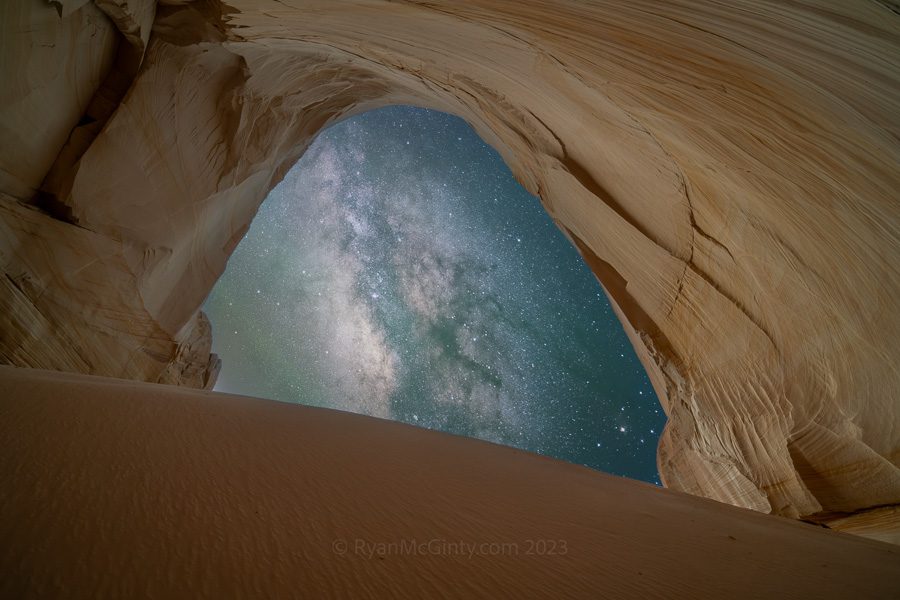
(400, 271)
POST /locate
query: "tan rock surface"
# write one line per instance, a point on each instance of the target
(51, 68)
(113, 488)
(729, 171)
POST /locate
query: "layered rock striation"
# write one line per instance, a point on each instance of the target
(729, 172)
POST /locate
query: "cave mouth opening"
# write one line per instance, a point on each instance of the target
(400, 271)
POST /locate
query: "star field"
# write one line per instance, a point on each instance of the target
(400, 271)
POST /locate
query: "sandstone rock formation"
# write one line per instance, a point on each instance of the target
(729, 171)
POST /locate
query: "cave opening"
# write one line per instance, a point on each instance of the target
(400, 271)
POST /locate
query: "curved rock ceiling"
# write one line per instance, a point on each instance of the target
(729, 172)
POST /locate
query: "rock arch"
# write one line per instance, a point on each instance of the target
(728, 172)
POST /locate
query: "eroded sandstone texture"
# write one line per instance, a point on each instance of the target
(729, 171)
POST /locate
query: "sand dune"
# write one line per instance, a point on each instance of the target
(117, 488)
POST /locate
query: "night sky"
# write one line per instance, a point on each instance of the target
(400, 271)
